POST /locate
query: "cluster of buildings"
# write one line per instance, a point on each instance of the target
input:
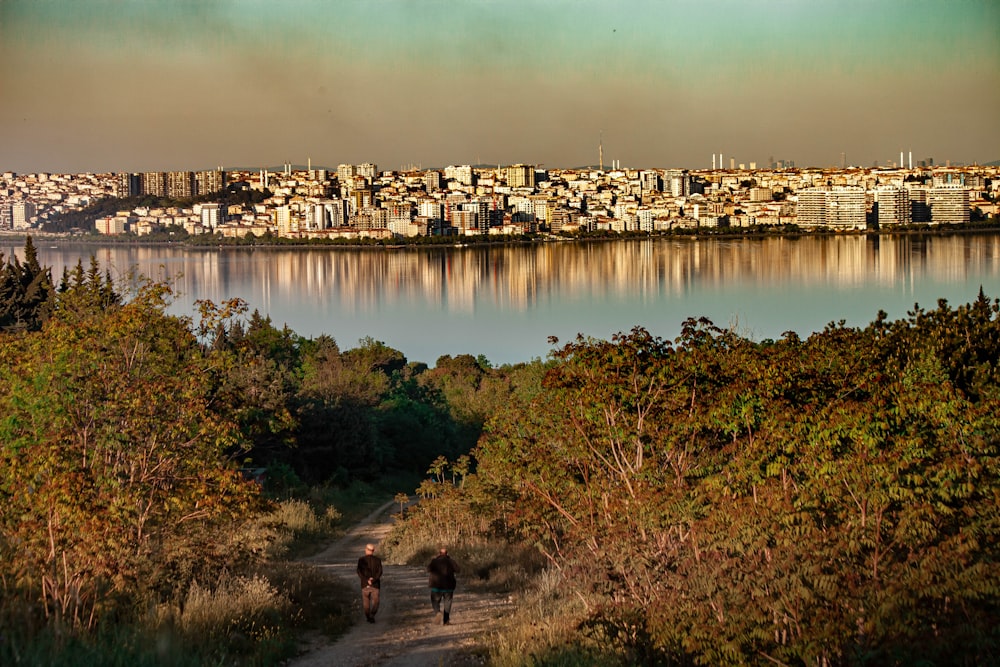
(359, 201)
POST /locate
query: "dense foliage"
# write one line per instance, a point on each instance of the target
(128, 437)
(26, 291)
(112, 457)
(712, 500)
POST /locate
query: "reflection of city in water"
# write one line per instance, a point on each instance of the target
(504, 301)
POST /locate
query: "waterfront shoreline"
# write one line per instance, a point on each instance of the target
(477, 242)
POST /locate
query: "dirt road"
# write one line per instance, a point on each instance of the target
(406, 631)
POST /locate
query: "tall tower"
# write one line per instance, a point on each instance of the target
(600, 151)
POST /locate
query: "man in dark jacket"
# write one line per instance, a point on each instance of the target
(370, 574)
(442, 572)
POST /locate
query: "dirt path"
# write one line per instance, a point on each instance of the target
(406, 631)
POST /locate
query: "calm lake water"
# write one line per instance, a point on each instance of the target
(505, 302)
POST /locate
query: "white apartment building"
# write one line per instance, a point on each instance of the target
(949, 204)
(462, 174)
(645, 218)
(213, 216)
(649, 181)
(840, 207)
(22, 213)
(431, 209)
(346, 173)
(367, 170)
(677, 182)
(111, 225)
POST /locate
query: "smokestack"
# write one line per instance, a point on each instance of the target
(713, 161)
(900, 159)
(911, 159)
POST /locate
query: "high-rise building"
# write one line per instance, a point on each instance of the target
(949, 204)
(213, 216)
(209, 182)
(283, 220)
(432, 181)
(337, 213)
(400, 215)
(520, 176)
(649, 181)
(368, 170)
(465, 220)
(154, 183)
(483, 208)
(677, 182)
(22, 213)
(371, 218)
(811, 208)
(345, 173)
(840, 207)
(541, 205)
(127, 185)
(893, 205)
(180, 184)
(361, 199)
(919, 211)
(431, 209)
(463, 174)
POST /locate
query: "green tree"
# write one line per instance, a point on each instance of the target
(26, 292)
(112, 460)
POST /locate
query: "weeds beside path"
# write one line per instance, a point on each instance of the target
(406, 631)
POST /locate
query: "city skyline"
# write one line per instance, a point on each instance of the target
(139, 86)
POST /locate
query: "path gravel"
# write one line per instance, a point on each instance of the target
(406, 630)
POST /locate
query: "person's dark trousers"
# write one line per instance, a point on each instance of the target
(369, 600)
(441, 601)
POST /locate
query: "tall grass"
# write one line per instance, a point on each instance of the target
(547, 625)
(248, 616)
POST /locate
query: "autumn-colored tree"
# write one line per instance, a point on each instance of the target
(112, 460)
(719, 501)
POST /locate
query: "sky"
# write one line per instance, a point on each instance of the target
(143, 85)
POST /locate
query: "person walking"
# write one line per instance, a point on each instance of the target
(370, 574)
(442, 570)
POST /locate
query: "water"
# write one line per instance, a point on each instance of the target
(505, 302)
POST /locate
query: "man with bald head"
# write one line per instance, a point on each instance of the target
(370, 574)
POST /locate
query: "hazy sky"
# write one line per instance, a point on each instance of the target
(132, 85)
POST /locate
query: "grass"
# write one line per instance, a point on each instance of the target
(253, 617)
